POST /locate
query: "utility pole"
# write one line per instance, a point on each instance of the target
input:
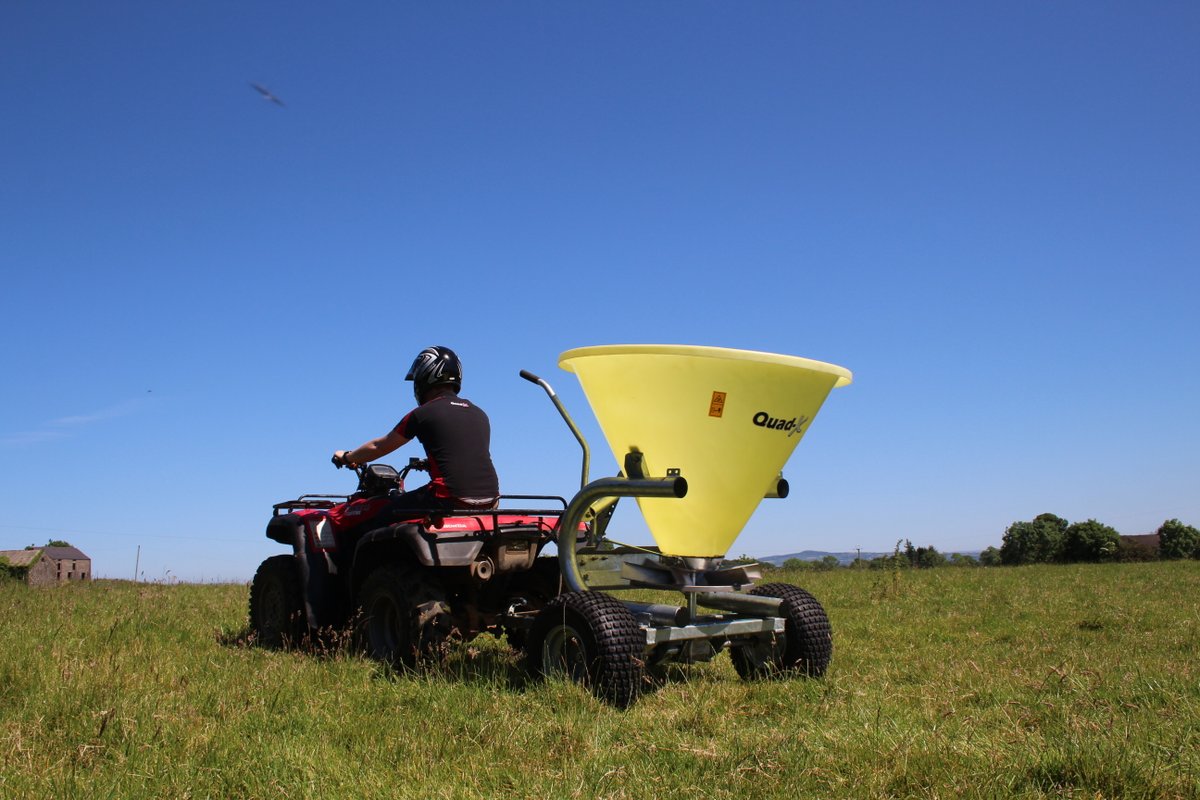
(137, 561)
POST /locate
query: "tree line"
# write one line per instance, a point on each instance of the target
(1046, 539)
(1050, 539)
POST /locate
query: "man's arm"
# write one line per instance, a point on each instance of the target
(376, 448)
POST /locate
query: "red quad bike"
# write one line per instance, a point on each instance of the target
(408, 586)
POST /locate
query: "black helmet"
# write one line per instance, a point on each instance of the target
(434, 366)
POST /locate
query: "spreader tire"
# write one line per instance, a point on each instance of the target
(277, 603)
(404, 616)
(805, 647)
(593, 639)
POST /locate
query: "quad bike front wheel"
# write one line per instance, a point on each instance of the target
(594, 640)
(804, 648)
(277, 603)
(405, 617)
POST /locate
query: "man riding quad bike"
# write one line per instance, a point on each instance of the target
(413, 582)
(404, 558)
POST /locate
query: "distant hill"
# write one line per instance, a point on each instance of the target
(843, 558)
(817, 555)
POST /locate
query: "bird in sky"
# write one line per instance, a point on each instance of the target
(266, 94)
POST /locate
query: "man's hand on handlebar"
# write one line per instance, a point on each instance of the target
(340, 459)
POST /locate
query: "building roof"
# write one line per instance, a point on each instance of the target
(25, 558)
(21, 558)
(66, 552)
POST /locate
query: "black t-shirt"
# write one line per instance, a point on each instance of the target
(456, 435)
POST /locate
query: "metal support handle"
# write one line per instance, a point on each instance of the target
(568, 524)
(587, 454)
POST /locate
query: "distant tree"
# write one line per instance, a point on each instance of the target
(57, 543)
(920, 557)
(923, 557)
(797, 564)
(1090, 541)
(827, 563)
(963, 560)
(1024, 543)
(1176, 540)
(1034, 542)
(1052, 519)
(990, 557)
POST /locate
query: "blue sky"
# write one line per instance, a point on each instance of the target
(990, 213)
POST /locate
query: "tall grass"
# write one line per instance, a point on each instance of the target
(1075, 681)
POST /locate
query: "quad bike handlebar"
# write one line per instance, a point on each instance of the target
(380, 479)
(414, 465)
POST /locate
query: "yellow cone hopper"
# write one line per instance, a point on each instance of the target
(726, 419)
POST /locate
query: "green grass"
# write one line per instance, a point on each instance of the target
(1054, 681)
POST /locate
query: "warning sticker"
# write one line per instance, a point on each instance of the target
(717, 407)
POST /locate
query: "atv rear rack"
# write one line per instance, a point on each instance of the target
(324, 501)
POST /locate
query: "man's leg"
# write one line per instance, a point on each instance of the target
(314, 578)
(417, 500)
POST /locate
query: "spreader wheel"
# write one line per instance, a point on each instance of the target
(277, 603)
(405, 618)
(805, 647)
(593, 639)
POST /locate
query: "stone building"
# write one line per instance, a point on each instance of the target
(48, 566)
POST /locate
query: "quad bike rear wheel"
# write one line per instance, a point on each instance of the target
(593, 639)
(405, 617)
(277, 603)
(805, 647)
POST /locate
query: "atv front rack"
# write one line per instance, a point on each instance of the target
(306, 501)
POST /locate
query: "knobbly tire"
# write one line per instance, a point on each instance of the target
(805, 647)
(277, 603)
(593, 639)
(404, 618)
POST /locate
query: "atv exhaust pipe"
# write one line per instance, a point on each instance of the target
(483, 569)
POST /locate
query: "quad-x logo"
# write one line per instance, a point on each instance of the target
(793, 426)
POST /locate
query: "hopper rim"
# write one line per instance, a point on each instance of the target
(844, 376)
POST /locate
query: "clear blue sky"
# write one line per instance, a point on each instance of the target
(990, 213)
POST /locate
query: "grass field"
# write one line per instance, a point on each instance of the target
(1048, 681)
